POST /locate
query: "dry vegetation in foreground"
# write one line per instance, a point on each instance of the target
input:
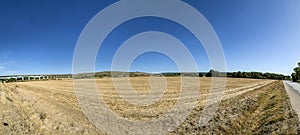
(263, 111)
(50, 107)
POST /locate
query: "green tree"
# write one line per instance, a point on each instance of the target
(296, 75)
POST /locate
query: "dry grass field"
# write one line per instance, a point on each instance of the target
(51, 107)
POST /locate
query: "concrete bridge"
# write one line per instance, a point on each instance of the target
(34, 77)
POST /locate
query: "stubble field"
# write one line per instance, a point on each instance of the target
(51, 107)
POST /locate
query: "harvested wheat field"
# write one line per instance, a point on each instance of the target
(51, 107)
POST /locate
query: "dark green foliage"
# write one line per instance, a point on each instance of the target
(296, 75)
(214, 73)
(12, 80)
(8, 80)
(171, 74)
(258, 75)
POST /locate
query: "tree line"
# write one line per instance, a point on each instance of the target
(255, 75)
(239, 74)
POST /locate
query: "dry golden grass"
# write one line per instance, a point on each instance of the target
(266, 110)
(55, 104)
(168, 100)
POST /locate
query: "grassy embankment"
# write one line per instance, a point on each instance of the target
(263, 111)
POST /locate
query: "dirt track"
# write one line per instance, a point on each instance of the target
(51, 107)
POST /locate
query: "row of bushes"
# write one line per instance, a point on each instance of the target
(8, 80)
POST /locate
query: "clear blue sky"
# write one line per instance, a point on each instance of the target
(39, 37)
